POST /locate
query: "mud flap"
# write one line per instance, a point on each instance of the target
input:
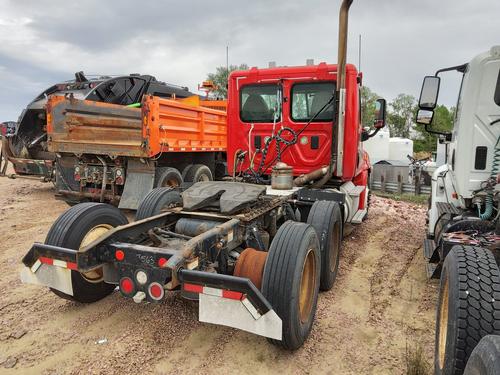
(239, 314)
(139, 181)
(47, 275)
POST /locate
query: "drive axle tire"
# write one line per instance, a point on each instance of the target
(76, 228)
(468, 306)
(197, 173)
(485, 358)
(326, 219)
(167, 177)
(291, 281)
(156, 200)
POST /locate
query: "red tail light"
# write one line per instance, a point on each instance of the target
(162, 262)
(127, 285)
(119, 255)
(156, 291)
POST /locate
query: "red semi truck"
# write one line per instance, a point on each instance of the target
(255, 250)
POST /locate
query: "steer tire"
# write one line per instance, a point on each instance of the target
(326, 219)
(197, 173)
(156, 200)
(167, 177)
(468, 306)
(485, 358)
(70, 231)
(292, 265)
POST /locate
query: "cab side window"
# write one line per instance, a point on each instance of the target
(309, 98)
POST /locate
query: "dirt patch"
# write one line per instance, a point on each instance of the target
(380, 304)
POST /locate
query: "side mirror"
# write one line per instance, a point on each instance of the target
(429, 93)
(424, 116)
(380, 105)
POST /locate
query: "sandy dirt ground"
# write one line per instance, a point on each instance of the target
(380, 307)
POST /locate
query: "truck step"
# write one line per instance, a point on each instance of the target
(355, 191)
(358, 216)
(429, 247)
(447, 208)
(433, 270)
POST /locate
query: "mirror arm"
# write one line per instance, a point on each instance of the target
(365, 135)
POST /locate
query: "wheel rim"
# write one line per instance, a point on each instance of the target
(334, 247)
(307, 286)
(443, 325)
(94, 276)
(170, 182)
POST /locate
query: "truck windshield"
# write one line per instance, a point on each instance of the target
(309, 98)
(258, 102)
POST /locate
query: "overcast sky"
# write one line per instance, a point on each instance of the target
(45, 41)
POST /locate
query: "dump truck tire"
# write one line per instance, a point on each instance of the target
(77, 227)
(326, 219)
(291, 281)
(468, 306)
(197, 173)
(485, 358)
(156, 200)
(167, 177)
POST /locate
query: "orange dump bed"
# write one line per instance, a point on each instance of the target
(161, 125)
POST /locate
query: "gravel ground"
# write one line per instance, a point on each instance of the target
(380, 307)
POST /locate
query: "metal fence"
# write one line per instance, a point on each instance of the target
(399, 187)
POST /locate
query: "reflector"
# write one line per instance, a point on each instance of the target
(119, 255)
(126, 285)
(156, 291)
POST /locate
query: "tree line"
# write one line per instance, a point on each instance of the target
(401, 113)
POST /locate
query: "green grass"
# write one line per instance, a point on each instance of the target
(405, 197)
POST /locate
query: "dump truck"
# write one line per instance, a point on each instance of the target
(117, 154)
(463, 227)
(256, 248)
(26, 146)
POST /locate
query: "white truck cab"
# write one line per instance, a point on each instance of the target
(472, 145)
(463, 234)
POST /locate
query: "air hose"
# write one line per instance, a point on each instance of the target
(488, 201)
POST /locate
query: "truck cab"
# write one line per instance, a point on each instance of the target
(263, 101)
(463, 234)
(289, 115)
(472, 150)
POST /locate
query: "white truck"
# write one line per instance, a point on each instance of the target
(462, 242)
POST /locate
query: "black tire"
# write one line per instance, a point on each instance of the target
(468, 306)
(326, 218)
(485, 358)
(156, 200)
(293, 244)
(69, 230)
(167, 177)
(197, 173)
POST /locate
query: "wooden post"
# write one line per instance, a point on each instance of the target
(382, 183)
(400, 184)
(417, 184)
